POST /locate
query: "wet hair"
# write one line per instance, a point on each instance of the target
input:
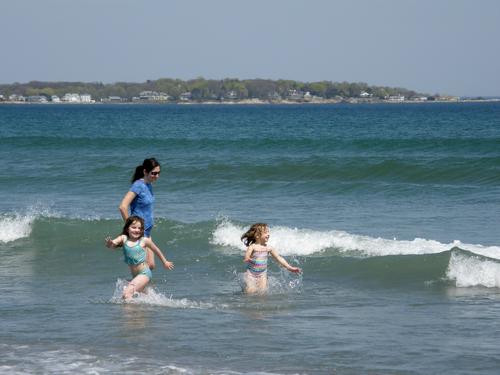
(130, 220)
(148, 165)
(255, 231)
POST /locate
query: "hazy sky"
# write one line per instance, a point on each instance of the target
(432, 46)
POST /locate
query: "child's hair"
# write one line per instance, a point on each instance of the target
(130, 221)
(148, 165)
(255, 231)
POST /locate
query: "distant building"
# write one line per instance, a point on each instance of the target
(2, 98)
(365, 95)
(231, 95)
(85, 98)
(55, 99)
(396, 98)
(295, 94)
(36, 99)
(153, 96)
(71, 98)
(274, 96)
(186, 96)
(17, 98)
(420, 99)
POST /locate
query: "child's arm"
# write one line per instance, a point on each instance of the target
(248, 254)
(151, 245)
(113, 244)
(283, 262)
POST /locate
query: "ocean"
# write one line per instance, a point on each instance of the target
(391, 210)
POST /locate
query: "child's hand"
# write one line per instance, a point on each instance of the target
(295, 269)
(168, 265)
(109, 242)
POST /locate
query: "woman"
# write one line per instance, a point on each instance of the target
(140, 198)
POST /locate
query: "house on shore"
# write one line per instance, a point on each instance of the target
(17, 98)
(396, 98)
(185, 96)
(153, 96)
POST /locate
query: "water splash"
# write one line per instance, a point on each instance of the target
(155, 298)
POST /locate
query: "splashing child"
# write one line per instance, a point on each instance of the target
(256, 258)
(135, 247)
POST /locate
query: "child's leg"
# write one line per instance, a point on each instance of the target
(262, 284)
(255, 284)
(136, 285)
(250, 287)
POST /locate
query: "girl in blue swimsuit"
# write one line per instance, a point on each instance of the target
(135, 247)
(256, 258)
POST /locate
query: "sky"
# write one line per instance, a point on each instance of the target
(447, 47)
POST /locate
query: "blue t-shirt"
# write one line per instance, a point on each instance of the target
(142, 205)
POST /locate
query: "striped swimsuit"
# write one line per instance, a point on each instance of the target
(257, 266)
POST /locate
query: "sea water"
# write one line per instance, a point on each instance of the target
(391, 210)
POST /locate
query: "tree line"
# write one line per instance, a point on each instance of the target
(205, 89)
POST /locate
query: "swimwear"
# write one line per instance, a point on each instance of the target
(142, 204)
(146, 272)
(257, 266)
(135, 255)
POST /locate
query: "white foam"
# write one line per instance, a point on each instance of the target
(19, 225)
(303, 242)
(469, 271)
(14, 228)
(156, 298)
(24, 359)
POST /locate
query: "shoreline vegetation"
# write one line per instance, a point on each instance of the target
(225, 91)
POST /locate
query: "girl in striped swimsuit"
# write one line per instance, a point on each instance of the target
(256, 258)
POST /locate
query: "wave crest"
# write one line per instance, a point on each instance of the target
(304, 242)
(15, 227)
(471, 271)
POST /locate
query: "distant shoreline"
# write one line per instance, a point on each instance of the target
(257, 102)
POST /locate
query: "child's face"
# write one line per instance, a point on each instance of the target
(135, 229)
(264, 235)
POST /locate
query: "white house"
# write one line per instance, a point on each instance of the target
(85, 98)
(71, 98)
(185, 96)
(396, 98)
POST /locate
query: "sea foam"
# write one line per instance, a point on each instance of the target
(304, 242)
(16, 227)
(469, 271)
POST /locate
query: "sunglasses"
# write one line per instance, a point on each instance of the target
(154, 173)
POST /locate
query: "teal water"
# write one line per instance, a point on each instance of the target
(391, 211)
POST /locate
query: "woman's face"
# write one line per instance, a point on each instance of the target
(152, 175)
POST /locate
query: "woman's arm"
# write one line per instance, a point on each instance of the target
(125, 204)
(148, 242)
(283, 262)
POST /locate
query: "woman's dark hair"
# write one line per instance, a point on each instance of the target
(130, 220)
(148, 165)
(255, 231)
